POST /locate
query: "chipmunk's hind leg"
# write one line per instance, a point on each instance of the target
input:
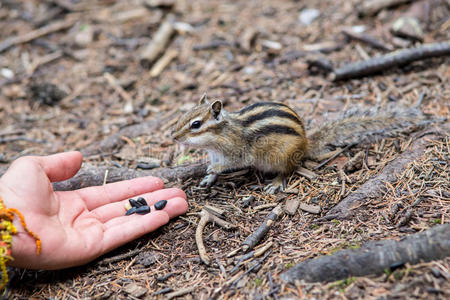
(277, 185)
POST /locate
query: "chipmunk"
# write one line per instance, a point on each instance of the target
(269, 137)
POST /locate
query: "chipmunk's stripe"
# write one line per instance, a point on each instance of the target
(256, 105)
(269, 114)
(270, 129)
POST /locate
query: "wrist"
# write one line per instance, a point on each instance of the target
(14, 232)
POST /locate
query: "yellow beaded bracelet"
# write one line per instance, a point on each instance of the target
(7, 230)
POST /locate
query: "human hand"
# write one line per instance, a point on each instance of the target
(76, 227)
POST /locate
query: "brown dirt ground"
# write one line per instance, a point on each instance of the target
(107, 36)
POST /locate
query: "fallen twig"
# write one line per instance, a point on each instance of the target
(335, 154)
(236, 278)
(390, 60)
(213, 45)
(29, 36)
(368, 39)
(254, 238)
(205, 218)
(44, 60)
(255, 266)
(112, 81)
(180, 292)
(6, 140)
(375, 256)
(163, 62)
(251, 254)
(119, 257)
(159, 42)
(374, 187)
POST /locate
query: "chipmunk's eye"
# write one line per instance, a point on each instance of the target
(196, 124)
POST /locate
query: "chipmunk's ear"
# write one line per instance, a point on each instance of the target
(203, 99)
(216, 108)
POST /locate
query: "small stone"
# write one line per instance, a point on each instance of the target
(135, 290)
(142, 210)
(128, 108)
(142, 201)
(131, 211)
(313, 209)
(160, 204)
(7, 73)
(408, 27)
(128, 206)
(359, 28)
(308, 15)
(291, 205)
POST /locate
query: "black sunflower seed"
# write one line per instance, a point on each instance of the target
(131, 211)
(141, 201)
(143, 210)
(134, 203)
(160, 204)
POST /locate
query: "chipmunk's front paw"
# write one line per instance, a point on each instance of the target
(278, 184)
(208, 180)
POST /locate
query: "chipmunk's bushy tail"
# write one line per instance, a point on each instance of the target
(369, 126)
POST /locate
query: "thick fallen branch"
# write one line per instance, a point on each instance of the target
(90, 175)
(390, 60)
(374, 187)
(374, 257)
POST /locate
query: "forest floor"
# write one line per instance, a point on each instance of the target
(76, 85)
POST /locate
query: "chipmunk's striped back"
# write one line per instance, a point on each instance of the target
(268, 118)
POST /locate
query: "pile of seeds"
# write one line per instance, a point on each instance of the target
(141, 207)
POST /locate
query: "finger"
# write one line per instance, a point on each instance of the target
(131, 228)
(97, 196)
(109, 211)
(60, 166)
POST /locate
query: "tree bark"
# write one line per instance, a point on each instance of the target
(374, 257)
(90, 175)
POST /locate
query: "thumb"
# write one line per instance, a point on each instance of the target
(60, 166)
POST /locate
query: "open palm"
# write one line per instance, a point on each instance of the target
(77, 226)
